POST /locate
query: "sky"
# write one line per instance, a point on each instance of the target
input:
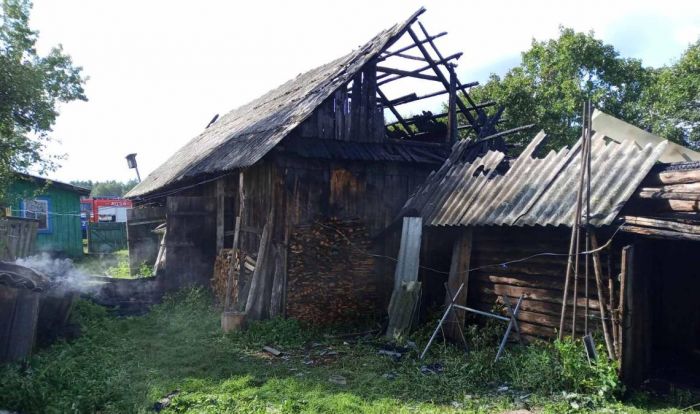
(159, 70)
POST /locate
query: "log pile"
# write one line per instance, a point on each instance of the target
(330, 279)
(222, 266)
(666, 205)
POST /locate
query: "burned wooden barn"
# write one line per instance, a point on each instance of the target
(287, 193)
(508, 224)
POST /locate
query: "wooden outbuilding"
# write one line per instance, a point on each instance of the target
(291, 189)
(508, 225)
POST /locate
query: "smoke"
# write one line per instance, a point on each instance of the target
(63, 273)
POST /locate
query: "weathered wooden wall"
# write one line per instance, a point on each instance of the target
(352, 115)
(539, 279)
(142, 242)
(17, 237)
(190, 241)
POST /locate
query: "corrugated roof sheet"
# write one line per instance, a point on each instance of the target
(243, 136)
(533, 191)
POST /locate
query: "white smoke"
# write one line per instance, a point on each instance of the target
(64, 274)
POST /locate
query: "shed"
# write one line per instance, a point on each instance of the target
(55, 205)
(300, 180)
(508, 225)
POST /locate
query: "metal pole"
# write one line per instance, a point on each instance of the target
(442, 320)
(508, 329)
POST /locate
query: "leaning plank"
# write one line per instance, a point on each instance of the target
(256, 303)
(409, 251)
(402, 310)
(459, 274)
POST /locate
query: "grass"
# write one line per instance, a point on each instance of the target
(111, 264)
(126, 365)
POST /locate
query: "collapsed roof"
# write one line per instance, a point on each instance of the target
(242, 137)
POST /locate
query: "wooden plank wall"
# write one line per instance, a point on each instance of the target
(354, 116)
(142, 242)
(17, 237)
(540, 279)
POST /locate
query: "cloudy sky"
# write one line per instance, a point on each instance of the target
(160, 69)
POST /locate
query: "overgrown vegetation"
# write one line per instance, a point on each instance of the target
(113, 265)
(126, 365)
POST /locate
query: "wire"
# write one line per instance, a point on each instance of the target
(502, 264)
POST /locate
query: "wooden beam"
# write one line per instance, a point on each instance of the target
(443, 80)
(662, 224)
(459, 274)
(442, 61)
(407, 130)
(405, 73)
(413, 97)
(409, 47)
(452, 131)
(481, 115)
(416, 118)
(405, 56)
(220, 184)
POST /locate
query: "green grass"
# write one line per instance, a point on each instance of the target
(126, 365)
(112, 264)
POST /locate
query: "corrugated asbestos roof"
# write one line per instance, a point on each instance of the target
(366, 151)
(533, 191)
(243, 136)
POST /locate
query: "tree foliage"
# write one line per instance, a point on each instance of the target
(109, 188)
(31, 87)
(674, 100)
(556, 76)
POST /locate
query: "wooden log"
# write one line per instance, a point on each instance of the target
(674, 188)
(459, 275)
(665, 234)
(660, 194)
(662, 224)
(677, 177)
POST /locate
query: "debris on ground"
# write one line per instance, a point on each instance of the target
(338, 380)
(435, 368)
(390, 375)
(164, 402)
(274, 351)
(396, 355)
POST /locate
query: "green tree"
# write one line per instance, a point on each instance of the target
(109, 188)
(673, 101)
(31, 87)
(556, 76)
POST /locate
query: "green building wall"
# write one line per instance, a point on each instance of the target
(64, 234)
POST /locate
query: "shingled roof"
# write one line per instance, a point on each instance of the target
(243, 136)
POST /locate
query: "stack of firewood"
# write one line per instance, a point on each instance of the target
(222, 267)
(331, 278)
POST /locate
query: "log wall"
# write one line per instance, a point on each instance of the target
(539, 279)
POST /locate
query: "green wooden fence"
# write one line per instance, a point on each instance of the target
(106, 237)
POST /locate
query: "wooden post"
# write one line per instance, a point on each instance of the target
(220, 214)
(459, 274)
(451, 110)
(598, 270)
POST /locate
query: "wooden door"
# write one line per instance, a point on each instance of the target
(190, 243)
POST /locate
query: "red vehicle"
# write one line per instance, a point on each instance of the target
(104, 209)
